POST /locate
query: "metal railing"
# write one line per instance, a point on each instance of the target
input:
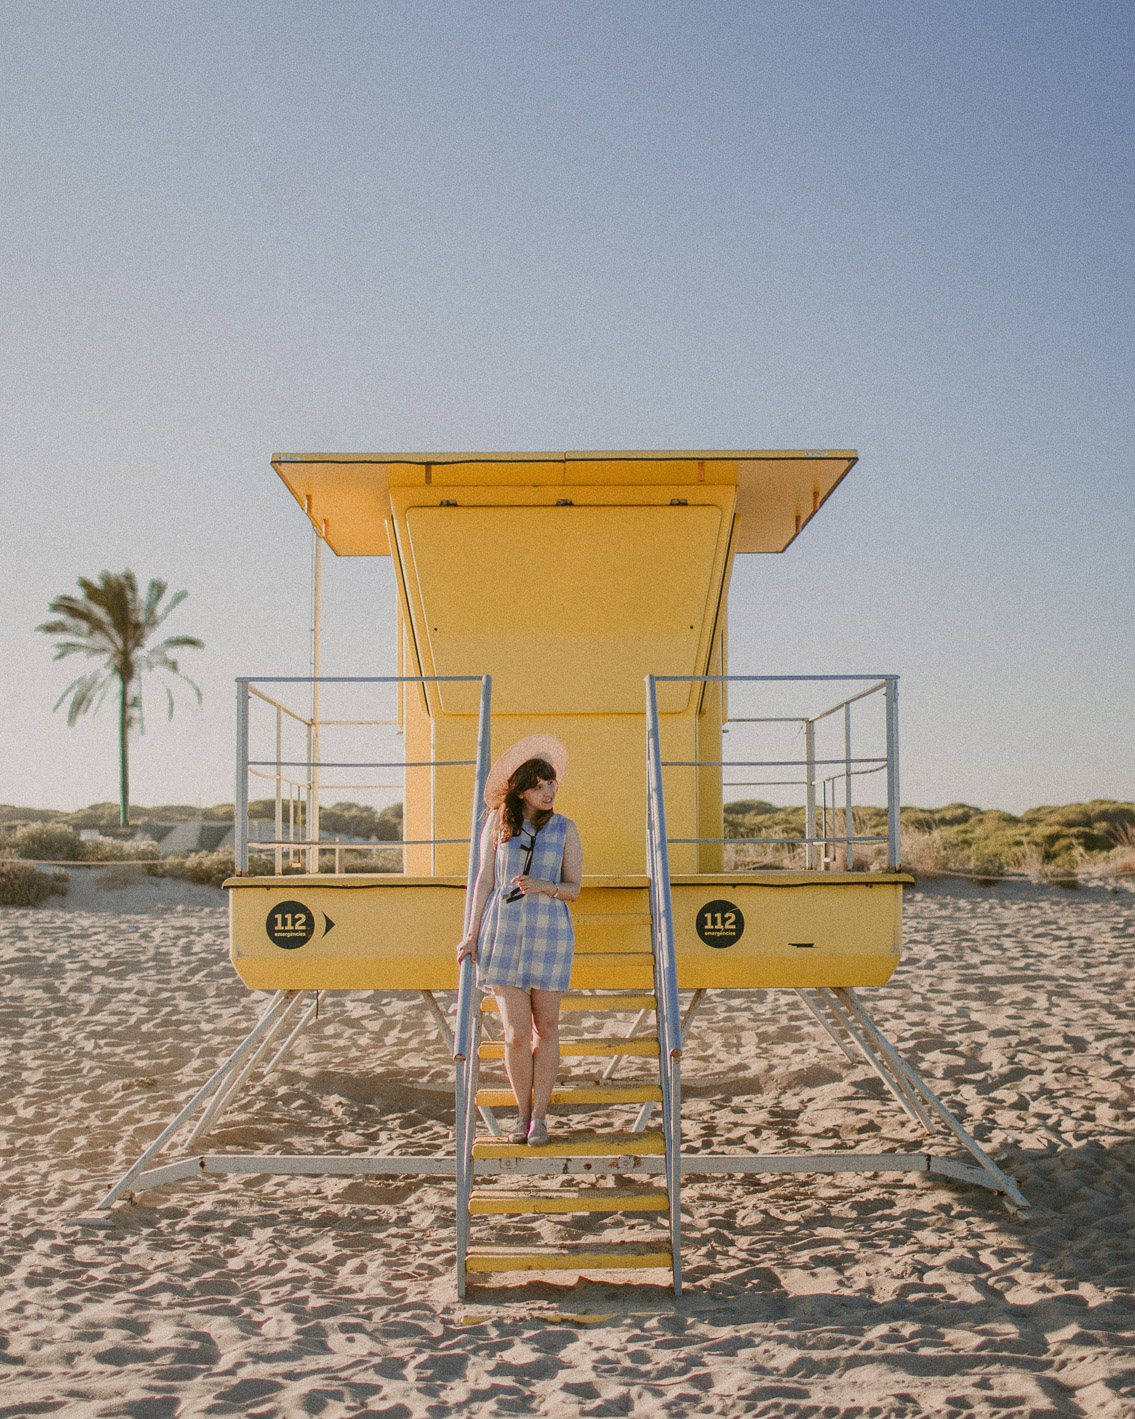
(665, 975)
(297, 782)
(467, 1026)
(823, 834)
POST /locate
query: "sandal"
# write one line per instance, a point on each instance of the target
(537, 1133)
(518, 1133)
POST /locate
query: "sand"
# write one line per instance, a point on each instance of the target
(853, 1295)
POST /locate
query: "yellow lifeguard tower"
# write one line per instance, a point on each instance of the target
(618, 646)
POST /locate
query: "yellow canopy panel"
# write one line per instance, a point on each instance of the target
(778, 491)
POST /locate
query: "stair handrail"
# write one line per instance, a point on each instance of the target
(658, 867)
(665, 976)
(463, 1032)
(465, 1025)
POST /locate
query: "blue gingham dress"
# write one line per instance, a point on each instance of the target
(527, 943)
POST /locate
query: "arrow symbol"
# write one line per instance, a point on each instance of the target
(329, 923)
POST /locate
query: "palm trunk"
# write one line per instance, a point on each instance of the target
(123, 754)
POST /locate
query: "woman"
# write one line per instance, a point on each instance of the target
(519, 928)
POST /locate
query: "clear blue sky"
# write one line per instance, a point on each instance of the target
(231, 228)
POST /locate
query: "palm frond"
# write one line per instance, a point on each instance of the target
(107, 685)
(192, 685)
(83, 692)
(65, 648)
(152, 617)
(157, 660)
(77, 620)
(178, 642)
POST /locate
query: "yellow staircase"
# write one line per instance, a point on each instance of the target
(624, 963)
(522, 1194)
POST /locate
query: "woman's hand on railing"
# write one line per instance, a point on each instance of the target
(467, 947)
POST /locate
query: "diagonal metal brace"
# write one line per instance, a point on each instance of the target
(1005, 1183)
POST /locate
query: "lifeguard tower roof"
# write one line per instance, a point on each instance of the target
(347, 495)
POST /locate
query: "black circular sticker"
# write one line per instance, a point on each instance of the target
(290, 924)
(720, 924)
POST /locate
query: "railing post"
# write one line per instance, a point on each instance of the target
(316, 672)
(312, 866)
(848, 827)
(279, 833)
(811, 848)
(894, 826)
(240, 807)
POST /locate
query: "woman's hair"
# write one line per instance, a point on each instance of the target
(528, 775)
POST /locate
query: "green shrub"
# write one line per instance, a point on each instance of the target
(357, 819)
(22, 886)
(387, 861)
(44, 842)
(209, 869)
(110, 850)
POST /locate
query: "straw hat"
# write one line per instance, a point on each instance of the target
(536, 746)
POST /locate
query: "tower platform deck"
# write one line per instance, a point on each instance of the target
(356, 931)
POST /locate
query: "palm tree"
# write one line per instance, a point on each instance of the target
(112, 623)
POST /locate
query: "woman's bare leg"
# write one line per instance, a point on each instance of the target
(516, 1018)
(545, 1047)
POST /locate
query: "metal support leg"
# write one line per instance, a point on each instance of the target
(616, 1059)
(648, 1108)
(223, 1099)
(266, 1021)
(699, 996)
(439, 1019)
(894, 1080)
(309, 1015)
(446, 1033)
(1005, 1183)
(826, 1023)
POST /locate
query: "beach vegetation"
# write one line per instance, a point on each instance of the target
(44, 842)
(106, 816)
(59, 842)
(109, 850)
(114, 624)
(21, 885)
(355, 819)
(1055, 844)
(213, 868)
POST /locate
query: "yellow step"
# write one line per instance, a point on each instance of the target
(604, 946)
(611, 918)
(591, 1002)
(637, 1254)
(641, 1044)
(580, 1094)
(577, 1145)
(593, 1199)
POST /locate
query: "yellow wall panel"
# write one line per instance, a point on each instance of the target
(567, 607)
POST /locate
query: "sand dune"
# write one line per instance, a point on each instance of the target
(826, 1296)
